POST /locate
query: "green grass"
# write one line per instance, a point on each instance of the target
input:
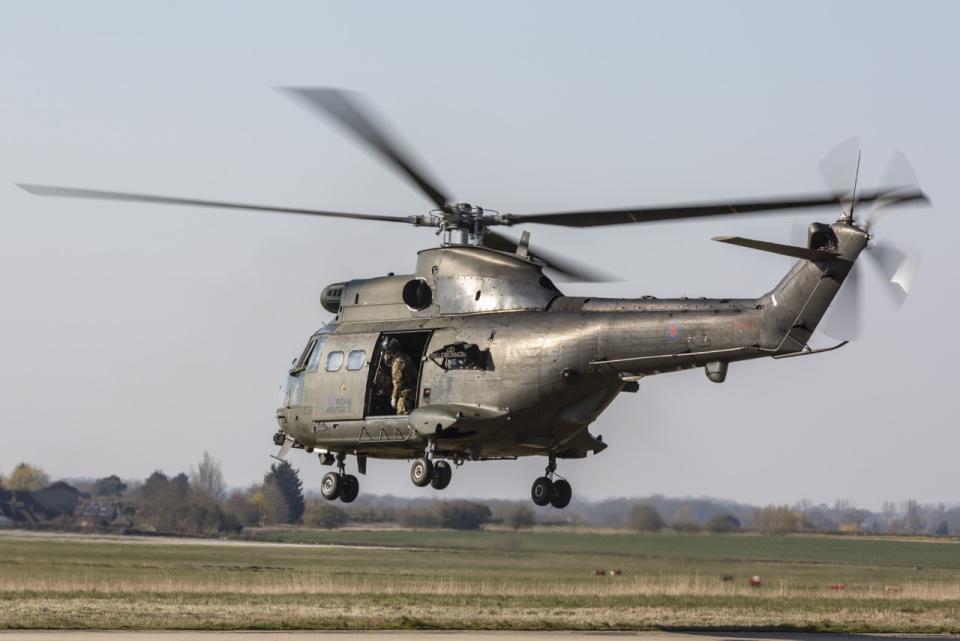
(667, 545)
(488, 580)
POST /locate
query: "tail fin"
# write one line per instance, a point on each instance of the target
(797, 304)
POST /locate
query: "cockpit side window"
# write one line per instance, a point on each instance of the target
(313, 363)
(308, 351)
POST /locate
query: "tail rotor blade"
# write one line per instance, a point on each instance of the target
(843, 321)
(899, 172)
(906, 274)
(901, 181)
(899, 270)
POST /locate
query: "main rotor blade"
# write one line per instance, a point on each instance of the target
(843, 320)
(70, 192)
(600, 217)
(839, 169)
(346, 110)
(567, 267)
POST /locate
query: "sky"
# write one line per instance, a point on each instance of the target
(135, 337)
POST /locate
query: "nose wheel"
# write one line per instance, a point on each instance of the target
(549, 491)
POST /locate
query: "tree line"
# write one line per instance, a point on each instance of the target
(199, 502)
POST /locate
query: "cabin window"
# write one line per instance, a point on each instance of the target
(334, 361)
(356, 360)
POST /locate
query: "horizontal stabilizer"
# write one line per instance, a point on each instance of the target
(777, 248)
(579, 445)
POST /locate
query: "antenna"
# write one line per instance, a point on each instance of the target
(856, 178)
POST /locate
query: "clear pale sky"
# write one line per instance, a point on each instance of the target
(134, 337)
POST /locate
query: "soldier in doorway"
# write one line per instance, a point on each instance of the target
(402, 376)
(382, 388)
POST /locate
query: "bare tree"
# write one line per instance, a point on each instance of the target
(848, 516)
(685, 520)
(645, 518)
(912, 519)
(778, 519)
(207, 477)
(519, 517)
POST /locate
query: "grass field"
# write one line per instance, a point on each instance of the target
(491, 580)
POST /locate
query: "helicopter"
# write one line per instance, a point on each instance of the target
(500, 364)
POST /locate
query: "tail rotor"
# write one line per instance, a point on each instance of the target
(897, 267)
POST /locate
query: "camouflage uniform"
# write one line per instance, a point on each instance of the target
(382, 389)
(402, 375)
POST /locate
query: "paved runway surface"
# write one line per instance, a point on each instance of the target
(454, 636)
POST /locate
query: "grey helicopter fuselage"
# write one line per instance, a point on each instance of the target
(484, 358)
(508, 366)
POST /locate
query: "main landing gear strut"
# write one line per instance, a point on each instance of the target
(546, 490)
(338, 485)
(425, 471)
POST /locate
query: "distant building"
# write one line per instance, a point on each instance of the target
(16, 505)
(99, 510)
(55, 500)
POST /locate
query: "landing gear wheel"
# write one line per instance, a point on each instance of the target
(421, 472)
(562, 493)
(331, 485)
(541, 491)
(349, 488)
(442, 473)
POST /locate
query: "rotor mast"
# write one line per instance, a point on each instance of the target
(465, 224)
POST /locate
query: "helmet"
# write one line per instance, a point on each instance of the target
(389, 345)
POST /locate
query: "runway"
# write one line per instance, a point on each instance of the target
(453, 636)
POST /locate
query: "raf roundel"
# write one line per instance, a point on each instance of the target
(674, 329)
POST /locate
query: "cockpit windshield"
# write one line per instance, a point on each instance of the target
(308, 361)
(292, 390)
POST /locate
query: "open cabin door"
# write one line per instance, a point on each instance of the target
(343, 370)
(380, 384)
